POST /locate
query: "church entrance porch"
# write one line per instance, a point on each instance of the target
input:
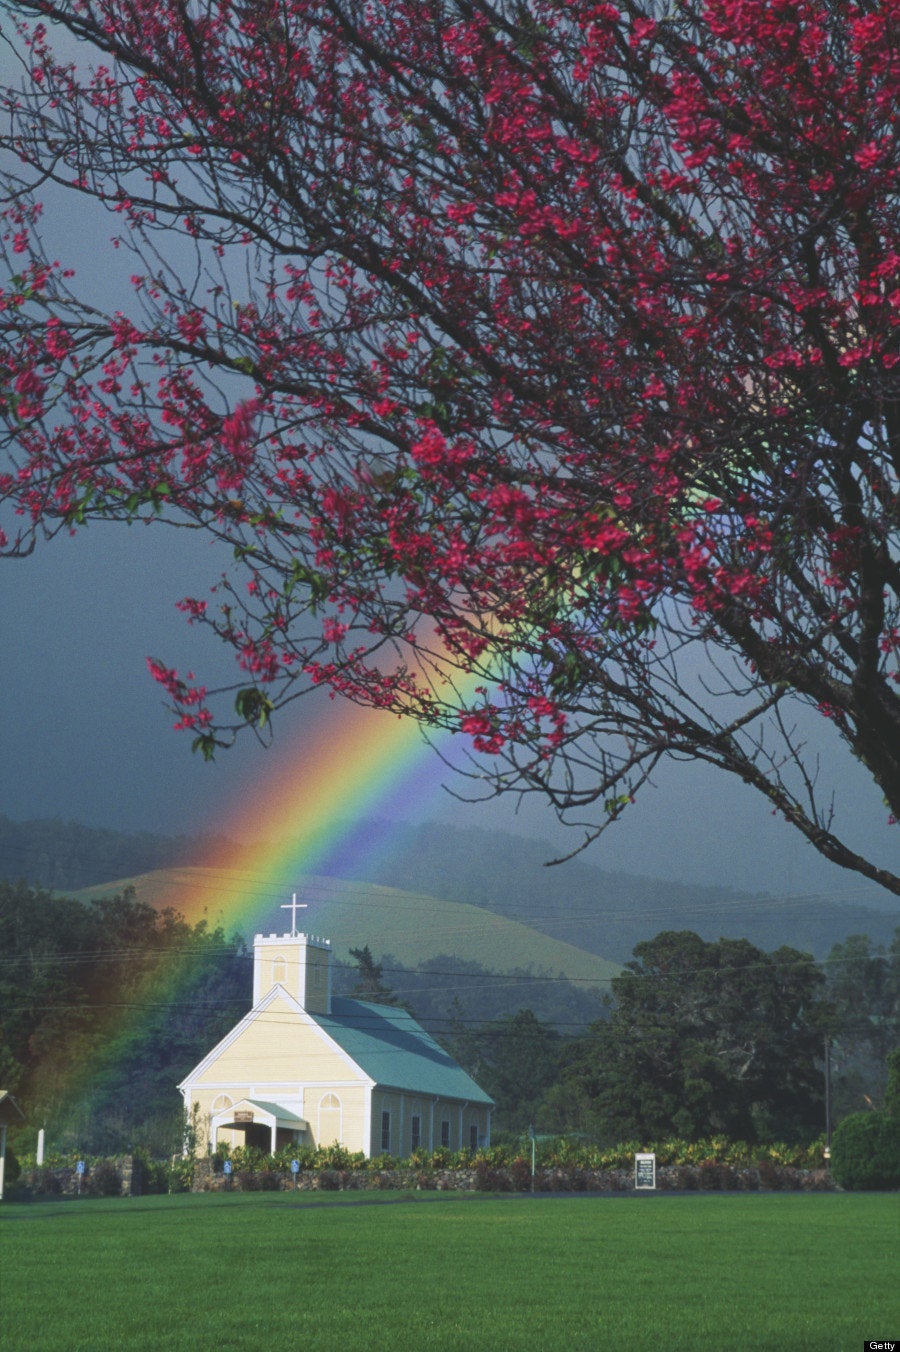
(264, 1126)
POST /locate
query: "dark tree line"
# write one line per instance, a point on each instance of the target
(105, 1007)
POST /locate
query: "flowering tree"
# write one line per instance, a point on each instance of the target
(547, 344)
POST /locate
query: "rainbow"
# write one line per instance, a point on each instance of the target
(311, 809)
(314, 802)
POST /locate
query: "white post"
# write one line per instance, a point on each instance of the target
(40, 1149)
(2, 1157)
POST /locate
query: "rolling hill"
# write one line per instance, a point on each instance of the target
(413, 927)
(582, 906)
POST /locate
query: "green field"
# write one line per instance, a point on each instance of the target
(806, 1272)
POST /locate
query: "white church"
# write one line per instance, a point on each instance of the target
(308, 1068)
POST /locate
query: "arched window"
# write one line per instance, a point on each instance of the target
(221, 1102)
(279, 971)
(330, 1124)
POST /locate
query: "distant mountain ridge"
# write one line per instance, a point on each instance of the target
(609, 913)
(63, 855)
(604, 913)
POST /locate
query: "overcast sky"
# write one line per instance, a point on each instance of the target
(84, 735)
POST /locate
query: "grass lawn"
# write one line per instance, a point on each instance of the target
(271, 1271)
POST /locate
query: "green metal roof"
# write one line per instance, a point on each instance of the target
(389, 1046)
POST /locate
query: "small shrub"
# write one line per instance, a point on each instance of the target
(46, 1183)
(520, 1171)
(420, 1159)
(865, 1152)
(378, 1163)
(338, 1157)
(489, 1179)
(710, 1176)
(103, 1180)
(154, 1176)
(180, 1174)
(771, 1175)
(717, 1177)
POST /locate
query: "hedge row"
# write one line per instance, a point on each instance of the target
(866, 1155)
(126, 1175)
(550, 1153)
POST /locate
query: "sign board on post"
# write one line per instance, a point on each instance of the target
(644, 1171)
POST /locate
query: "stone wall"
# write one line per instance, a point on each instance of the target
(119, 1176)
(208, 1177)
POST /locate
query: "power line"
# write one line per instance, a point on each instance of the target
(518, 976)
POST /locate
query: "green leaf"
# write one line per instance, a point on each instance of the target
(205, 744)
(253, 706)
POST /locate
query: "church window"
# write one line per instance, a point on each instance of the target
(416, 1131)
(445, 1133)
(222, 1102)
(386, 1131)
(329, 1120)
(473, 1137)
(279, 971)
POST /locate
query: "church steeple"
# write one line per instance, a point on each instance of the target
(300, 963)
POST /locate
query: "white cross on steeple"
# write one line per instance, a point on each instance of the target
(294, 906)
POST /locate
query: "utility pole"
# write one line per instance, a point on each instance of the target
(827, 1101)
